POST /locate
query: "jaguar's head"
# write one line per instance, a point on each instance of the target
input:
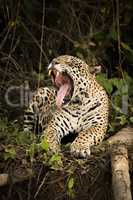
(69, 75)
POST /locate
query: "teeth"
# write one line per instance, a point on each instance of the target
(50, 71)
(56, 73)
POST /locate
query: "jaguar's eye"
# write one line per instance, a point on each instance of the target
(55, 63)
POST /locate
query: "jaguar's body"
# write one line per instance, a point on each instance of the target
(81, 106)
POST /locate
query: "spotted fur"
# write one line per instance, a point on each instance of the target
(86, 113)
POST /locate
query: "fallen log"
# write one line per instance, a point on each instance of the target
(121, 183)
(120, 173)
(118, 146)
(124, 136)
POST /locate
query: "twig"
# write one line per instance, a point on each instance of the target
(40, 186)
(35, 40)
(41, 46)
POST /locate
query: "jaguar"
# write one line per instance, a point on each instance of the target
(76, 105)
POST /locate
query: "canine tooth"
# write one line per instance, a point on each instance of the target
(49, 73)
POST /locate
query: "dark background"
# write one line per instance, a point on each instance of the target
(33, 32)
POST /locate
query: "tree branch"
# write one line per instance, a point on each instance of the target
(120, 173)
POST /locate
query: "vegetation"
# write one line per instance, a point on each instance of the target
(31, 34)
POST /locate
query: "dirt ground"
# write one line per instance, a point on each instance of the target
(72, 179)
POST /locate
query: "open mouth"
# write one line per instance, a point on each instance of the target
(64, 85)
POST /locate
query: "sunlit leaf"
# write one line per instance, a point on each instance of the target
(70, 183)
(105, 82)
(55, 158)
(10, 153)
(70, 186)
(127, 47)
(123, 119)
(131, 119)
(44, 144)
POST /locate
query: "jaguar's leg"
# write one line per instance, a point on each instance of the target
(87, 138)
(52, 137)
(59, 126)
(39, 111)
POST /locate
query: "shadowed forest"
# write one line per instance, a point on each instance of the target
(32, 33)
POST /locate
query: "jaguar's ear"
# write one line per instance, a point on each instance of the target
(96, 69)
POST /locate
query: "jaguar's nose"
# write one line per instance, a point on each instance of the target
(52, 64)
(50, 68)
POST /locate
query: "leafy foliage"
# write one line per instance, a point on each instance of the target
(10, 153)
(10, 133)
(70, 186)
(55, 162)
(120, 92)
(44, 145)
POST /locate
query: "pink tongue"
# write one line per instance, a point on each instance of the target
(61, 94)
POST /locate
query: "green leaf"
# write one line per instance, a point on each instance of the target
(55, 162)
(10, 153)
(117, 82)
(127, 47)
(131, 119)
(123, 119)
(106, 83)
(55, 158)
(24, 138)
(44, 144)
(31, 151)
(111, 128)
(70, 186)
(70, 183)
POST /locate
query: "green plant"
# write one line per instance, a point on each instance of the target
(55, 162)
(120, 99)
(70, 186)
(10, 153)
